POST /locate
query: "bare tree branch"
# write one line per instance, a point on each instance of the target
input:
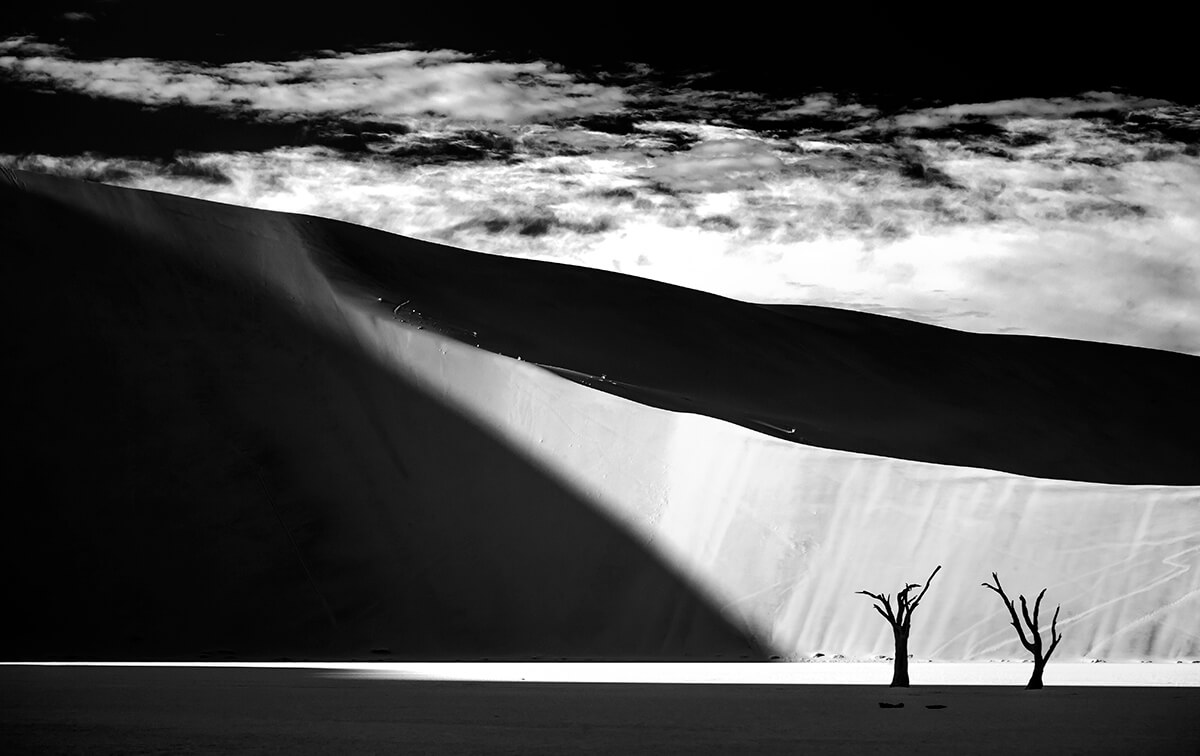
(884, 599)
(1012, 610)
(1054, 636)
(1033, 630)
(921, 595)
(1039, 658)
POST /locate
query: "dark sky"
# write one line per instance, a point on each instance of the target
(996, 52)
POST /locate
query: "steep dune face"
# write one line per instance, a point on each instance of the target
(261, 431)
(204, 460)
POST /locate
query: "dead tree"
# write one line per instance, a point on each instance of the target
(1032, 642)
(901, 622)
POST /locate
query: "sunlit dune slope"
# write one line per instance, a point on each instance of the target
(203, 462)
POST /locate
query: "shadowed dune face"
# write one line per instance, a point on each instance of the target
(204, 462)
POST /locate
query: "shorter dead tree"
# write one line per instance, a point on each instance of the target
(901, 622)
(1032, 642)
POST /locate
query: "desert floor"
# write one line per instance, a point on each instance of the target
(73, 709)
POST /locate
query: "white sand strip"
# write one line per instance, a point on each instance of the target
(718, 673)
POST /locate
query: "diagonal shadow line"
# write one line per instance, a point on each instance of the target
(166, 397)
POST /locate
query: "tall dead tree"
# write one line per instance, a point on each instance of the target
(1032, 642)
(901, 622)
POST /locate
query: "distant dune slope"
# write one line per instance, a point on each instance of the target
(838, 379)
(274, 434)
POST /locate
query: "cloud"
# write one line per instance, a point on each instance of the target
(716, 165)
(396, 83)
(534, 222)
(1071, 217)
(26, 47)
(825, 105)
(1029, 107)
(435, 147)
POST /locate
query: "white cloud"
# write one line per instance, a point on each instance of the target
(1052, 223)
(1028, 107)
(823, 104)
(389, 84)
(716, 165)
(25, 47)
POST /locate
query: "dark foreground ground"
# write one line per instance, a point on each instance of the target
(48, 710)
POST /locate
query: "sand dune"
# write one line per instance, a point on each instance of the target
(252, 434)
(205, 463)
(781, 534)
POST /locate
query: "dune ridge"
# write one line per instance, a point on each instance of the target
(838, 379)
(384, 483)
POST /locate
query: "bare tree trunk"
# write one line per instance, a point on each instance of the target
(901, 622)
(900, 670)
(1032, 643)
(1035, 680)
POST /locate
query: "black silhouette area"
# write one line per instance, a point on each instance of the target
(198, 468)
